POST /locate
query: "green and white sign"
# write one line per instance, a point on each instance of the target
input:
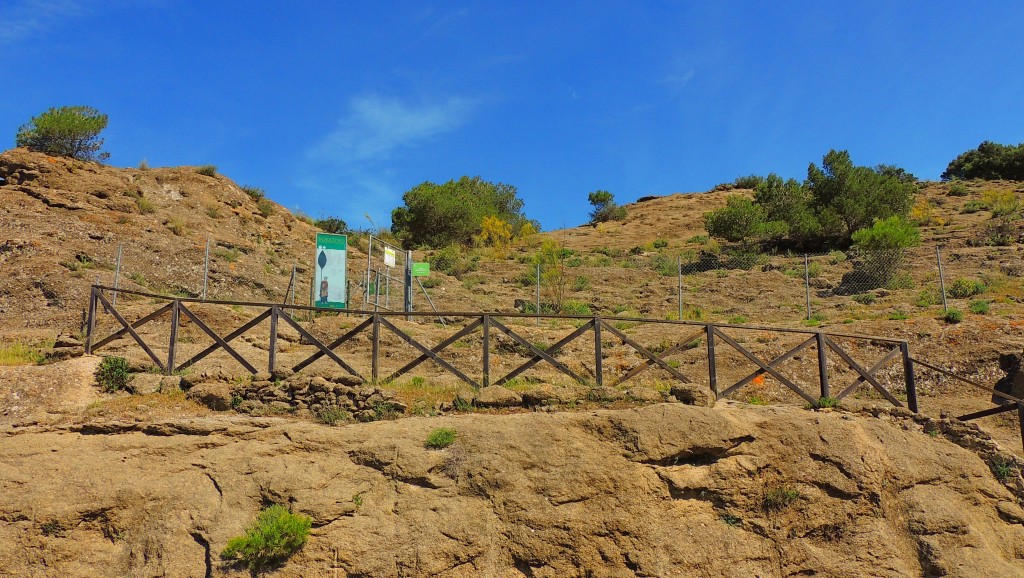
(329, 280)
(421, 269)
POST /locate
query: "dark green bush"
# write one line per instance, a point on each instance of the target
(452, 213)
(963, 288)
(957, 189)
(953, 315)
(453, 261)
(276, 535)
(113, 374)
(255, 193)
(974, 207)
(66, 131)
(332, 225)
(748, 182)
(990, 161)
(605, 208)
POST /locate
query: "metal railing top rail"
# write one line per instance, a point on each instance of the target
(514, 315)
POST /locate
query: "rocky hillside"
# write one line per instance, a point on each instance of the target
(665, 490)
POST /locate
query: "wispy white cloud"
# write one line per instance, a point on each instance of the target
(375, 127)
(25, 19)
(351, 160)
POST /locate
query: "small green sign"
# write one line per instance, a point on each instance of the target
(421, 269)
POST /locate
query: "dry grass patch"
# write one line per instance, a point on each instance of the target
(146, 406)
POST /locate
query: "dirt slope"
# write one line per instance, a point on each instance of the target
(665, 490)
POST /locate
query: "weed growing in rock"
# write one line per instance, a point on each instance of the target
(18, 353)
(828, 402)
(1002, 468)
(441, 438)
(754, 400)
(53, 529)
(732, 521)
(898, 315)
(332, 415)
(112, 374)
(276, 535)
(779, 498)
(963, 288)
(357, 499)
(207, 170)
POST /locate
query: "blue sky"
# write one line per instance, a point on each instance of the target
(337, 108)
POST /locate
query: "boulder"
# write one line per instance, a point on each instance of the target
(497, 396)
(605, 393)
(214, 395)
(693, 394)
(644, 395)
(547, 394)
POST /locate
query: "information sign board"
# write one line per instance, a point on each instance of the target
(330, 281)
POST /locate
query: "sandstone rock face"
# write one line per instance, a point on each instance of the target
(663, 490)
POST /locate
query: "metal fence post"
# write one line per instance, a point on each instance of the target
(408, 285)
(117, 275)
(538, 295)
(679, 283)
(942, 278)
(206, 268)
(375, 348)
(598, 354)
(807, 285)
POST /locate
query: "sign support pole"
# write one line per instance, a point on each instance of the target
(408, 284)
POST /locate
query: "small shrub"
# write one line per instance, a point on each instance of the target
(431, 282)
(738, 319)
(957, 189)
(754, 400)
(229, 255)
(780, 498)
(980, 307)
(143, 165)
(927, 298)
(660, 243)
(581, 283)
(332, 415)
(963, 288)
(265, 207)
(177, 226)
(212, 211)
(276, 535)
(441, 438)
(332, 225)
(815, 320)
(953, 315)
(898, 315)
(207, 170)
(113, 374)
(573, 307)
(255, 193)
(748, 182)
(864, 298)
(146, 206)
(974, 207)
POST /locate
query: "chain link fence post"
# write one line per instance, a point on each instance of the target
(807, 285)
(942, 279)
